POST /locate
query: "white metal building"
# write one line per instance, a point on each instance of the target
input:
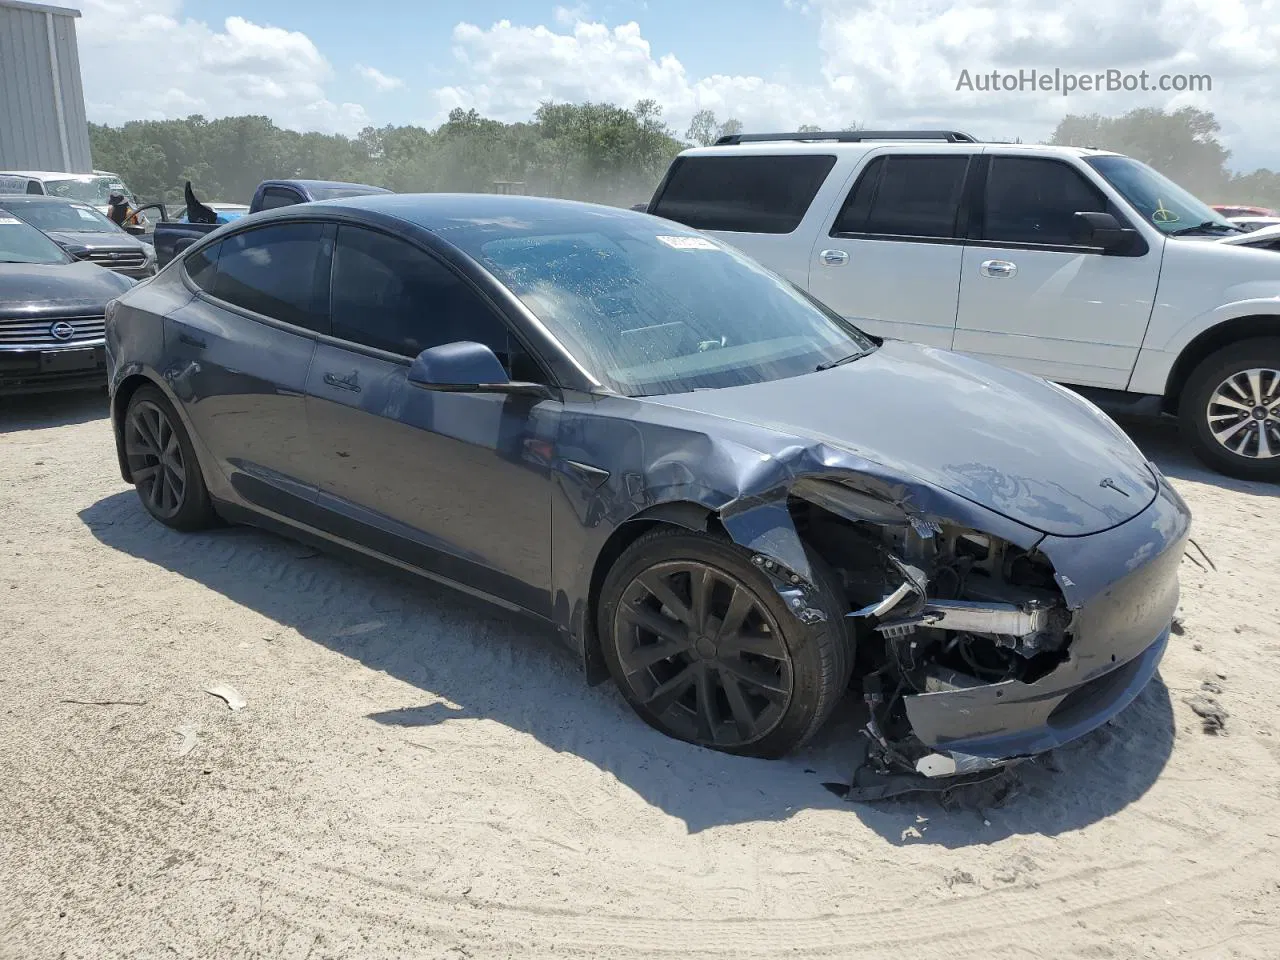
(42, 118)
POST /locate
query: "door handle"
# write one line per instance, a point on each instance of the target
(191, 341)
(833, 258)
(343, 383)
(998, 269)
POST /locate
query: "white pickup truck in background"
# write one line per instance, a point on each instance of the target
(1077, 265)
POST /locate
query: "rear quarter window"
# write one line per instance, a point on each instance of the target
(743, 194)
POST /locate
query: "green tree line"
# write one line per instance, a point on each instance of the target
(587, 151)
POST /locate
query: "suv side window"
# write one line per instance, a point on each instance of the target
(908, 195)
(277, 271)
(273, 197)
(1035, 199)
(743, 194)
(392, 296)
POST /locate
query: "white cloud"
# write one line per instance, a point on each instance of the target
(510, 69)
(896, 63)
(381, 82)
(568, 16)
(141, 59)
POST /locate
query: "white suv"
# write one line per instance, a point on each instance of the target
(1077, 265)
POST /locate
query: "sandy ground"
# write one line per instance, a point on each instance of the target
(416, 775)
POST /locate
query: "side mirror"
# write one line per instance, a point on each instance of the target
(641, 207)
(182, 243)
(467, 367)
(135, 230)
(1094, 229)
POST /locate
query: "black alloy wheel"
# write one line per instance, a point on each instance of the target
(703, 647)
(163, 464)
(700, 651)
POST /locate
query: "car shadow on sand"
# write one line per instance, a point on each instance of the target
(485, 663)
(41, 411)
(1161, 442)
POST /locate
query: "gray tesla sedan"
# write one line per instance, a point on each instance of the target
(725, 497)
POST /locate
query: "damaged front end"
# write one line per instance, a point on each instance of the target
(974, 651)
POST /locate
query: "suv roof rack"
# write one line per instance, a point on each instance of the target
(847, 136)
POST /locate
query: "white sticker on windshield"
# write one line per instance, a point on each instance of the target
(86, 214)
(9, 220)
(688, 243)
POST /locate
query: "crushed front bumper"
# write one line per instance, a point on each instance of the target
(1123, 587)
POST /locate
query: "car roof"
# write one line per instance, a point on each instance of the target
(322, 183)
(798, 147)
(440, 212)
(53, 175)
(41, 198)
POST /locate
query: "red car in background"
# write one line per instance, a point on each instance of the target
(1238, 211)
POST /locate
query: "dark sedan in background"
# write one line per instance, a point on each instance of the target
(721, 493)
(51, 313)
(84, 233)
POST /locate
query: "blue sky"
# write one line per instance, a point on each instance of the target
(774, 64)
(412, 40)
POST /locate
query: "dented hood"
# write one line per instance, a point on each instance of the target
(1009, 442)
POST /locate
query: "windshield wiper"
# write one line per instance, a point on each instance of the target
(837, 363)
(1208, 226)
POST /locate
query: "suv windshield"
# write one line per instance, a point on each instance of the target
(50, 215)
(1159, 199)
(22, 243)
(94, 190)
(653, 310)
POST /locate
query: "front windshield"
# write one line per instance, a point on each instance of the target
(652, 310)
(94, 190)
(22, 243)
(48, 215)
(1159, 199)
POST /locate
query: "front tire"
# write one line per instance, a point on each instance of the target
(1230, 409)
(704, 649)
(163, 463)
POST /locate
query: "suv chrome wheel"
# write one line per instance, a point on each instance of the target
(1244, 413)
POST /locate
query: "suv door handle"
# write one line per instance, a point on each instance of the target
(998, 269)
(833, 258)
(191, 341)
(343, 383)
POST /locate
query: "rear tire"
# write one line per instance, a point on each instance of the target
(734, 671)
(163, 463)
(1230, 410)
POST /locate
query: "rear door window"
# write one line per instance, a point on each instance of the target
(202, 265)
(277, 271)
(743, 194)
(907, 195)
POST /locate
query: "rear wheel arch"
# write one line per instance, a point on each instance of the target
(1210, 342)
(119, 405)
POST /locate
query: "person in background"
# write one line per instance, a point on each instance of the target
(119, 211)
